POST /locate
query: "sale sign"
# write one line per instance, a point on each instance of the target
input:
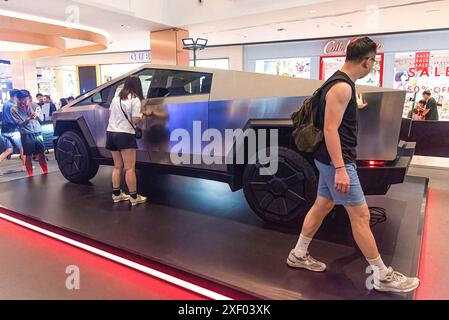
(422, 60)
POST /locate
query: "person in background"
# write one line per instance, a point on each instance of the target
(9, 130)
(47, 108)
(121, 139)
(418, 112)
(431, 112)
(63, 102)
(70, 99)
(40, 99)
(26, 117)
(53, 108)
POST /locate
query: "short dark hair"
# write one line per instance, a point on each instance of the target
(360, 48)
(47, 96)
(39, 95)
(424, 102)
(26, 93)
(13, 93)
(427, 92)
(22, 94)
(63, 102)
(132, 87)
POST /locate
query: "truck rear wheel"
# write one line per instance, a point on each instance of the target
(74, 159)
(285, 197)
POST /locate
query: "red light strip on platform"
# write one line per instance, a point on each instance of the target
(157, 274)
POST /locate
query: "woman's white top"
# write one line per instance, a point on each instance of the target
(117, 120)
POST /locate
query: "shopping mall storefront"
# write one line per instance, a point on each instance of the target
(5, 80)
(412, 61)
(60, 77)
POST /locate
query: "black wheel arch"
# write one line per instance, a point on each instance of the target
(285, 129)
(76, 124)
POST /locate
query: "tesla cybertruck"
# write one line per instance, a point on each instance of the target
(208, 102)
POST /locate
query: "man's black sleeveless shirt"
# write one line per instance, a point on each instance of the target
(348, 127)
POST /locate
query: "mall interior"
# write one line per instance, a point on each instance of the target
(213, 230)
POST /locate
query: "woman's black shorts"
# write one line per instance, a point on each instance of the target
(117, 141)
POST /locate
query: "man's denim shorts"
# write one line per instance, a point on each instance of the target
(326, 186)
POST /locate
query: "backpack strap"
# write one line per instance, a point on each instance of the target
(317, 111)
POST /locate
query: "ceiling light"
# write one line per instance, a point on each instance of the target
(201, 42)
(281, 29)
(188, 42)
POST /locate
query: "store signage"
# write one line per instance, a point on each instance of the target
(339, 47)
(422, 60)
(141, 56)
(429, 72)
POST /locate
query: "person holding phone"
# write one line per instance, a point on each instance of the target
(26, 115)
(121, 139)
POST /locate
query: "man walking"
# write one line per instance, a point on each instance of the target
(339, 183)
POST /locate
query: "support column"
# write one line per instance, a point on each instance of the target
(24, 75)
(167, 47)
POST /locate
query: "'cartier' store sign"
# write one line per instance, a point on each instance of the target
(339, 47)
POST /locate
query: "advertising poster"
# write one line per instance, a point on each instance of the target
(293, 67)
(419, 71)
(329, 65)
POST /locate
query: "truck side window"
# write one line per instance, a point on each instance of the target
(175, 83)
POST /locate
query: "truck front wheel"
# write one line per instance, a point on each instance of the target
(74, 159)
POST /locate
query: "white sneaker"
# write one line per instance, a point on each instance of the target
(122, 197)
(396, 282)
(306, 262)
(139, 200)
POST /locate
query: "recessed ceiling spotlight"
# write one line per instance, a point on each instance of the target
(125, 26)
(281, 29)
(432, 10)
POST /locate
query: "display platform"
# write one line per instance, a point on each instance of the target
(200, 228)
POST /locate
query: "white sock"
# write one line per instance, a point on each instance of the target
(378, 265)
(302, 246)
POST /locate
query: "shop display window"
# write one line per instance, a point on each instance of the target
(330, 64)
(111, 71)
(58, 82)
(212, 63)
(419, 71)
(293, 67)
(5, 81)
